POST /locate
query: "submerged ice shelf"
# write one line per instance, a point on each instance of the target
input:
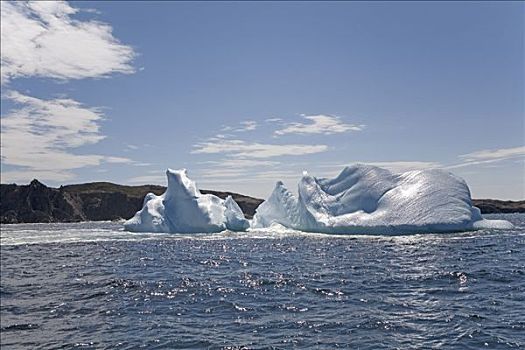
(362, 199)
(183, 209)
(371, 200)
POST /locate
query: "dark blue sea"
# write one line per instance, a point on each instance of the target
(93, 286)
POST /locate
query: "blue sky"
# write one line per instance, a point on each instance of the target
(247, 93)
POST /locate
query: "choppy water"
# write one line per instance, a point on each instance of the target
(90, 285)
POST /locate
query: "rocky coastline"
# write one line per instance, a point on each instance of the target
(95, 201)
(99, 201)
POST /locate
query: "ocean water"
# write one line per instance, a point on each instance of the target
(93, 286)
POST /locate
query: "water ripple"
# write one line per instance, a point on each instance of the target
(92, 286)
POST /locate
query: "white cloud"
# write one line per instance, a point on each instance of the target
(393, 166)
(235, 168)
(39, 135)
(218, 173)
(247, 125)
(502, 153)
(319, 124)
(21, 176)
(488, 156)
(234, 171)
(148, 179)
(256, 176)
(118, 160)
(40, 38)
(244, 149)
(234, 163)
(276, 175)
(472, 163)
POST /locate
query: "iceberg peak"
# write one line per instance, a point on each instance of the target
(184, 209)
(280, 207)
(180, 185)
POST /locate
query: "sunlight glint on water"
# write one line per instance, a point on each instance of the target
(92, 285)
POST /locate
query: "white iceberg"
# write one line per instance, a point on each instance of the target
(183, 209)
(371, 200)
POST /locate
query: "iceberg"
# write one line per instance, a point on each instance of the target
(183, 209)
(365, 199)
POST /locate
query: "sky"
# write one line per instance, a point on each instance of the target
(244, 94)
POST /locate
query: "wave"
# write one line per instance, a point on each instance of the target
(85, 232)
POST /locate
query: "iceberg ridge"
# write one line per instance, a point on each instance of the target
(371, 200)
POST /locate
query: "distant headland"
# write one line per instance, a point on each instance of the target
(99, 201)
(94, 201)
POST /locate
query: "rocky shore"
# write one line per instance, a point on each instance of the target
(97, 201)
(494, 206)
(85, 202)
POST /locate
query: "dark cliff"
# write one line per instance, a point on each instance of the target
(493, 206)
(92, 201)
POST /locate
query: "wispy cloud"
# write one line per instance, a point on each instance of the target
(319, 124)
(118, 160)
(23, 176)
(502, 153)
(37, 38)
(235, 168)
(148, 179)
(488, 156)
(222, 174)
(244, 161)
(39, 135)
(259, 177)
(393, 166)
(246, 125)
(244, 149)
(239, 163)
